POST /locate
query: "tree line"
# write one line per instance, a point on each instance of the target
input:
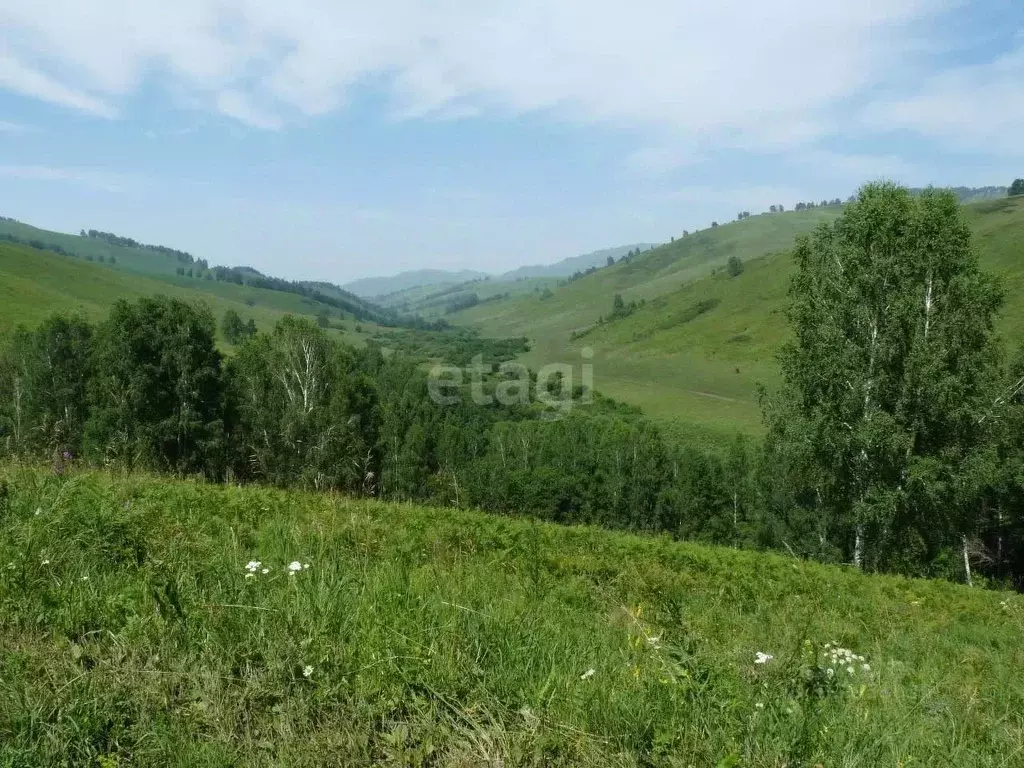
(148, 389)
(896, 441)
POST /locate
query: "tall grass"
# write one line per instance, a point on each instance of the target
(132, 632)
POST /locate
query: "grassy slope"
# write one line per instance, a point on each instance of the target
(34, 284)
(701, 374)
(431, 300)
(129, 631)
(155, 265)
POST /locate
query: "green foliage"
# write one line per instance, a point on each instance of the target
(155, 395)
(301, 412)
(43, 374)
(734, 266)
(891, 371)
(233, 329)
(1017, 188)
(135, 634)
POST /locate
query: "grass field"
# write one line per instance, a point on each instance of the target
(34, 284)
(138, 627)
(432, 300)
(697, 371)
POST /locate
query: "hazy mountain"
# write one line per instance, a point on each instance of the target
(368, 287)
(566, 267)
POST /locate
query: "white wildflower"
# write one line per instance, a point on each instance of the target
(759, 705)
(250, 575)
(38, 512)
(294, 566)
(253, 565)
(588, 674)
(305, 566)
(830, 671)
(307, 671)
(84, 578)
(265, 571)
(762, 658)
(866, 667)
(849, 670)
(45, 562)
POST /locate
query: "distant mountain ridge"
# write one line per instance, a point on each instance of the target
(573, 264)
(373, 287)
(368, 287)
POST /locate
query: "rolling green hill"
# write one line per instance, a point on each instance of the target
(693, 354)
(149, 621)
(437, 300)
(34, 284)
(180, 268)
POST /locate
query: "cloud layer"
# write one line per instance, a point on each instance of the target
(741, 73)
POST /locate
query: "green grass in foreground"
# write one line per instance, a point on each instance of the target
(131, 634)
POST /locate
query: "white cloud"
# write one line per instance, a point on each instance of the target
(87, 177)
(978, 108)
(18, 77)
(747, 73)
(8, 127)
(236, 105)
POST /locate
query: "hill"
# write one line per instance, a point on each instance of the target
(35, 284)
(168, 264)
(371, 287)
(573, 264)
(409, 287)
(693, 354)
(157, 622)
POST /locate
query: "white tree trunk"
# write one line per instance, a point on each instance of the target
(858, 548)
(967, 562)
(735, 517)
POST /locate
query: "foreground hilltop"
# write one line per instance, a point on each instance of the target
(157, 622)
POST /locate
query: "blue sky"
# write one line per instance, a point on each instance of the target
(337, 140)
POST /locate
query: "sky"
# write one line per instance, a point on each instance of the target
(333, 140)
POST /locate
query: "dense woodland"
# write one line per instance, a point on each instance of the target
(896, 443)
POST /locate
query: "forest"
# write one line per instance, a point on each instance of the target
(895, 442)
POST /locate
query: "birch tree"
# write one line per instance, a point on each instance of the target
(886, 381)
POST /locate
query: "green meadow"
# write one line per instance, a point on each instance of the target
(34, 284)
(694, 354)
(148, 621)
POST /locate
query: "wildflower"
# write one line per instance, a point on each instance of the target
(250, 575)
(253, 565)
(866, 667)
(39, 512)
(849, 670)
(588, 674)
(830, 671)
(759, 705)
(45, 562)
(265, 571)
(305, 566)
(307, 671)
(762, 658)
(294, 566)
(84, 578)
